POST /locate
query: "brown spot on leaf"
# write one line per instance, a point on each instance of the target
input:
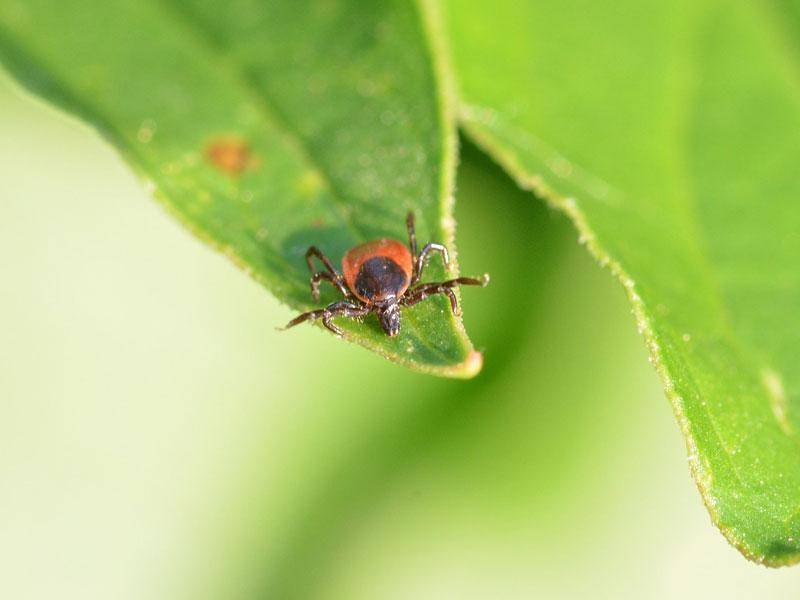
(231, 155)
(318, 223)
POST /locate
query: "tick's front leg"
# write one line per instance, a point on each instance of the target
(422, 259)
(345, 308)
(314, 251)
(335, 280)
(342, 309)
(425, 291)
(331, 274)
(412, 237)
(419, 293)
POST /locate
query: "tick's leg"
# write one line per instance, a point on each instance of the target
(423, 258)
(333, 279)
(314, 251)
(425, 290)
(342, 308)
(412, 239)
(350, 312)
(330, 275)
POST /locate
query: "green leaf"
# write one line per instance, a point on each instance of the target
(669, 132)
(265, 128)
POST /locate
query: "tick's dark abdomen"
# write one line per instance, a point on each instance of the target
(379, 278)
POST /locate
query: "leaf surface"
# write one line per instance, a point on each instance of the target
(670, 133)
(266, 128)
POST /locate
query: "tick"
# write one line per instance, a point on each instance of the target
(380, 276)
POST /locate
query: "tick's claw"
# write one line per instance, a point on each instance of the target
(330, 326)
(485, 280)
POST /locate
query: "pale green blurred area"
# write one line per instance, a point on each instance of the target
(159, 439)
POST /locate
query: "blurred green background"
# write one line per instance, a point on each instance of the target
(160, 439)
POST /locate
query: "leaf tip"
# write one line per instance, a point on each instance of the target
(467, 369)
